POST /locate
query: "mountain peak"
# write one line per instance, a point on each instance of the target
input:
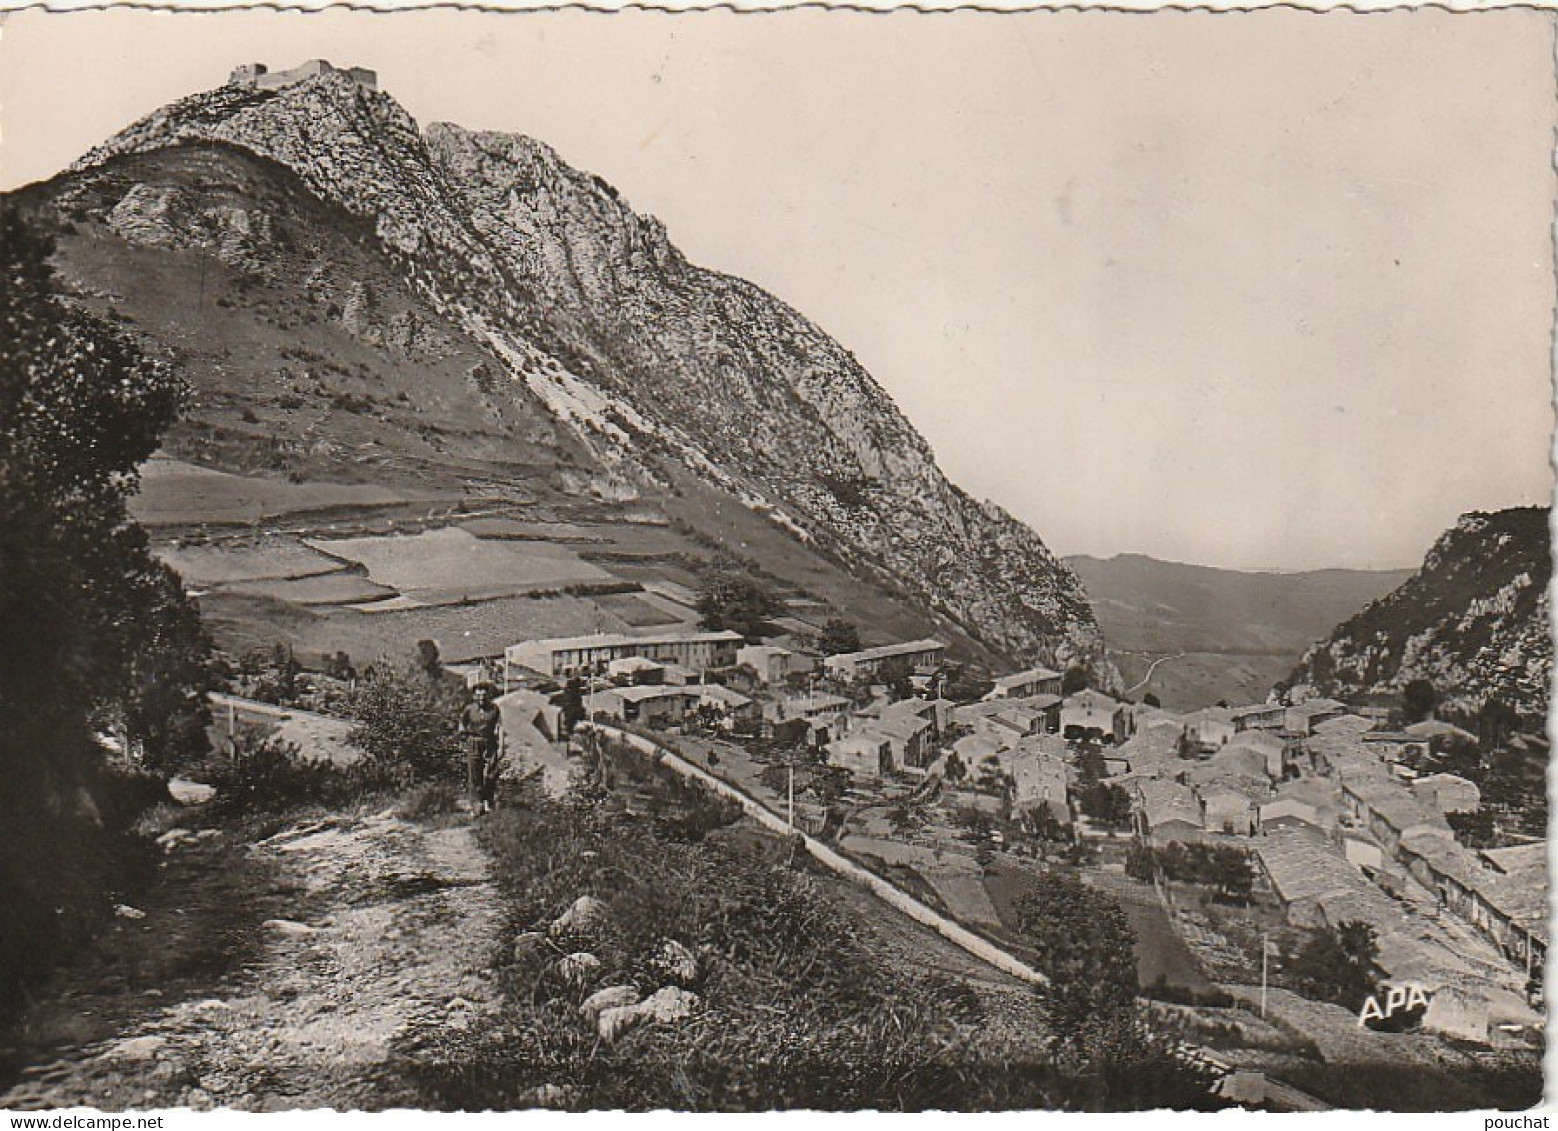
(1473, 621)
(663, 369)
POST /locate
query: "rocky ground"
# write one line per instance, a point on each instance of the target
(288, 973)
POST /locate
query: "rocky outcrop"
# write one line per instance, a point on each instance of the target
(164, 216)
(663, 368)
(1474, 622)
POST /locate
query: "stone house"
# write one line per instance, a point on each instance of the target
(865, 755)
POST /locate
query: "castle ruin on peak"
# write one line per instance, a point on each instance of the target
(260, 76)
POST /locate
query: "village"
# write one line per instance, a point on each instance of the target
(1231, 834)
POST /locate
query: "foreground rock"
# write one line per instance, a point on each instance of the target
(585, 917)
(666, 1006)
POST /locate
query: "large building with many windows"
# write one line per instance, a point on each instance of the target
(584, 655)
(915, 653)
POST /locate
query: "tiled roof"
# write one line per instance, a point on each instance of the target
(888, 651)
(1164, 801)
(1302, 864)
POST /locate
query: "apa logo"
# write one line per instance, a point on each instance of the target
(1399, 1000)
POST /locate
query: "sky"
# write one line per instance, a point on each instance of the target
(1267, 290)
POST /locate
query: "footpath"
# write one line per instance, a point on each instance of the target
(385, 945)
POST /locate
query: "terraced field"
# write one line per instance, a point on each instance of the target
(440, 566)
(174, 493)
(467, 561)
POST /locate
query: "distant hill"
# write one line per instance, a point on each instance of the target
(1241, 631)
(1474, 621)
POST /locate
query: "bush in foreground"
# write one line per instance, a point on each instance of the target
(262, 774)
(803, 1007)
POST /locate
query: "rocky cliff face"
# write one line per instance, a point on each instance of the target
(1473, 622)
(660, 367)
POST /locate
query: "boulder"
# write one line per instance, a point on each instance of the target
(552, 1096)
(578, 968)
(586, 915)
(665, 1006)
(288, 928)
(676, 963)
(169, 1075)
(134, 1049)
(612, 1023)
(187, 792)
(173, 838)
(458, 1014)
(612, 997)
(669, 1005)
(529, 946)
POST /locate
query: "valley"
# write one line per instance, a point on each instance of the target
(1233, 635)
(546, 673)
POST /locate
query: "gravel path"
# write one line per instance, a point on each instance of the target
(385, 948)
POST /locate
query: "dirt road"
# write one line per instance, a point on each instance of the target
(297, 972)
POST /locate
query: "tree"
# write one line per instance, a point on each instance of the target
(732, 598)
(1338, 965)
(1232, 873)
(984, 854)
(776, 777)
(1091, 767)
(570, 702)
(1046, 827)
(95, 627)
(791, 734)
(429, 660)
(1151, 700)
(164, 701)
(898, 678)
(1474, 829)
(1074, 680)
(829, 784)
(966, 684)
(1496, 721)
(1107, 1056)
(838, 636)
(975, 823)
(1141, 862)
(1108, 804)
(953, 768)
(96, 632)
(905, 818)
(1418, 700)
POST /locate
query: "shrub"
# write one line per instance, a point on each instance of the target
(408, 724)
(266, 775)
(430, 800)
(1161, 989)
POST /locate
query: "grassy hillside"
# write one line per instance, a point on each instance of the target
(332, 399)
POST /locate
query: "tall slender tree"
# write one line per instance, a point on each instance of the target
(98, 635)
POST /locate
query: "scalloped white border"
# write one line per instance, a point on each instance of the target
(759, 7)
